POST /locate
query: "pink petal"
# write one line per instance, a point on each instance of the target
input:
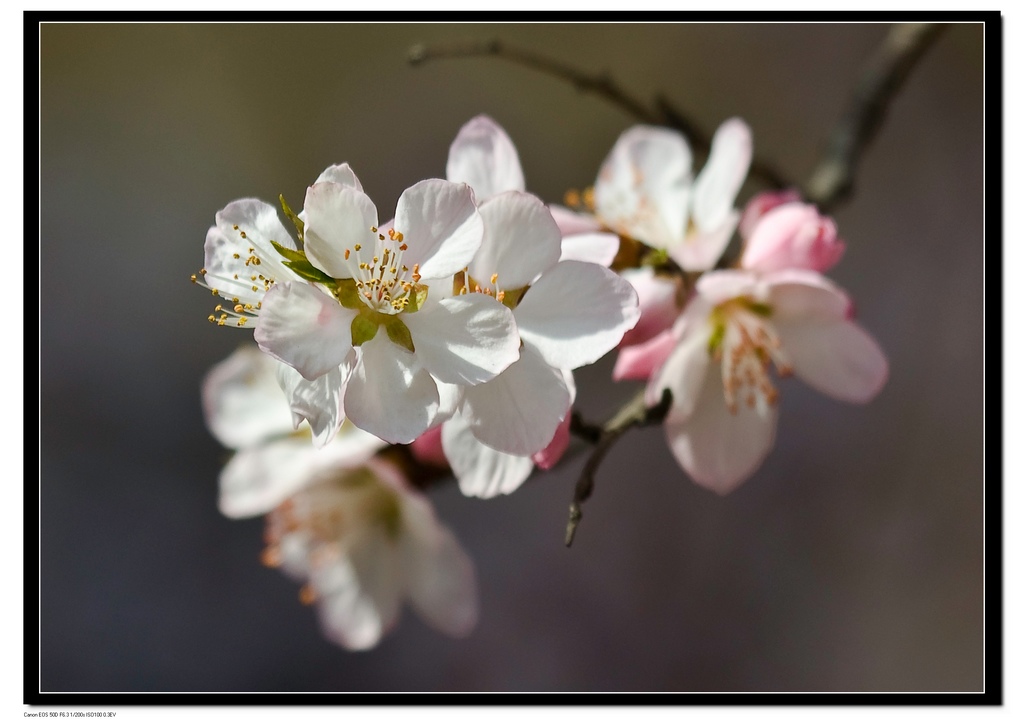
(717, 448)
(837, 358)
(658, 308)
(639, 362)
(428, 450)
(549, 456)
(570, 222)
(762, 203)
(793, 236)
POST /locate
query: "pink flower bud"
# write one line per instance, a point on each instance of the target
(760, 205)
(427, 448)
(549, 456)
(793, 235)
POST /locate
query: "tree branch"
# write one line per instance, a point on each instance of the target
(633, 415)
(601, 84)
(832, 180)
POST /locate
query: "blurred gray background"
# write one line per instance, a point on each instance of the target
(851, 561)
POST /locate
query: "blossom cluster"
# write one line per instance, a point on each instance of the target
(454, 327)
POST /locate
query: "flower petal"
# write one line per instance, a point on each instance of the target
(227, 251)
(643, 186)
(359, 595)
(317, 401)
(701, 250)
(717, 448)
(683, 373)
(519, 411)
(804, 295)
(657, 298)
(716, 187)
(305, 328)
(427, 448)
(241, 401)
(481, 471)
(390, 394)
(576, 312)
(721, 285)
(439, 574)
(639, 362)
(256, 480)
(337, 218)
(466, 340)
(441, 226)
(570, 222)
(793, 235)
(340, 174)
(484, 157)
(598, 247)
(837, 358)
(554, 451)
(520, 241)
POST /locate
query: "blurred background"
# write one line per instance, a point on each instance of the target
(852, 561)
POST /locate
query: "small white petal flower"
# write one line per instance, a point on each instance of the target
(344, 522)
(722, 420)
(645, 191)
(375, 303)
(245, 410)
(365, 541)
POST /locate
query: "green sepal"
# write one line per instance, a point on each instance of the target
(346, 292)
(417, 296)
(758, 308)
(363, 329)
(717, 336)
(399, 333)
(300, 226)
(290, 255)
(654, 258)
(306, 271)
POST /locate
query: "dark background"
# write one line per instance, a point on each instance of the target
(851, 561)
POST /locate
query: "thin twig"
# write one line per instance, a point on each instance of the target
(832, 180)
(601, 84)
(632, 415)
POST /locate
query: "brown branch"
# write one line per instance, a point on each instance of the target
(632, 415)
(601, 84)
(884, 74)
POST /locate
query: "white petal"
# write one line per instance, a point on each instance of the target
(359, 595)
(576, 312)
(717, 448)
(598, 247)
(466, 339)
(441, 226)
(241, 401)
(521, 241)
(484, 157)
(389, 393)
(227, 252)
(305, 328)
(450, 397)
(518, 411)
(317, 401)
(644, 184)
(257, 480)
(700, 251)
(683, 373)
(570, 222)
(439, 574)
(837, 358)
(481, 471)
(340, 174)
(716, 187)
(337, 218)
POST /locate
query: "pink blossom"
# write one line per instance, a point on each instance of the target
(793, 235)
(762, 203)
